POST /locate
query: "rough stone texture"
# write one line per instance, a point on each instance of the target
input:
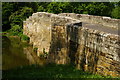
(48, 31)
(38, 28)
(67, 41)
(95, 51)
(105, 21)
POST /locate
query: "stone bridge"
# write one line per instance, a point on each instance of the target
(90, 42)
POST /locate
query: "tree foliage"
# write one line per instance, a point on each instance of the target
(116, 11)
(7, 9)
(20, 15)
(13, 13)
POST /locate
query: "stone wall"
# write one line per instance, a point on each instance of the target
(38, 28)
(94, 51)
(105, 21)
(47, 32)
(67, 41)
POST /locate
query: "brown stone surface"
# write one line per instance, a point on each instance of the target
(68, 41)
(105, 21)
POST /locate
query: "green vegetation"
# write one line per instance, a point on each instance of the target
(48, 71)
(116, 12)
(25, 38)
(44, 54)
(15, 30)
(14, 13)
(35, 49)
(19, 16)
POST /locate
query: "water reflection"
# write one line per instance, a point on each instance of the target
(16, 53)
(32, 56)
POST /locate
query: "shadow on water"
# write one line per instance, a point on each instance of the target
(6, 43)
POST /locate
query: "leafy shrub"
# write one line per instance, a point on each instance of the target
(24, 38)
(16, 20)
(116, 13)
(55, 7)
(7, 9)
(17, 17)
(16, 28)
(85, 12)
(35, 49)
(40, 9)
(45, 54)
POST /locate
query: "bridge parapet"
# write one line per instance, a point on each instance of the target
(105, 21)
(66, 40)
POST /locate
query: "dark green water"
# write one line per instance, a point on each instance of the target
(16, 53)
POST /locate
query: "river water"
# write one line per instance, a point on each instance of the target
(16, 53)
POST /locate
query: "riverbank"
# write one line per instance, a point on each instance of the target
(20, 35)
(48, 71)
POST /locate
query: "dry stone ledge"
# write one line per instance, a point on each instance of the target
(105, 21)
(66, 39)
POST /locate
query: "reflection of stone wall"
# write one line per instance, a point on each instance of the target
(105, 21)
(32, 57)
(67, 41)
